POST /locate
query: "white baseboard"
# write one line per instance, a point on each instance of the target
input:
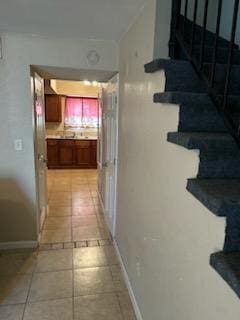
(128, 283)
(18, 245)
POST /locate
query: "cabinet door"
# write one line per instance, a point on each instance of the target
(66, 153)
(53, 112)
(83, 153)
(93, 157)
(52, 153)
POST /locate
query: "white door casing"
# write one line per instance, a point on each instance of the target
(108, 146)
(40, 149)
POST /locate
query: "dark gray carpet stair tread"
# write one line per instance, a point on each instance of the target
(219, 195)
(219, 153)
(228, 267)
(199, 99)
(196, 140)
(197, 111)
(178, 97)
(180, 75)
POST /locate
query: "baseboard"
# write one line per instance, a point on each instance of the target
(128, 283)
(18, 245)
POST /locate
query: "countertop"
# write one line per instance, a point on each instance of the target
(71, 138)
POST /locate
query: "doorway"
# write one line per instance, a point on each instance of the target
(68, 156)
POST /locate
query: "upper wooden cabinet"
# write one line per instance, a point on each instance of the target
(53, 108)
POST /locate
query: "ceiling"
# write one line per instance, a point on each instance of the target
(90, 19)
(73, 74)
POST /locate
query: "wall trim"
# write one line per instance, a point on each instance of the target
(18, 245)
(128, 283)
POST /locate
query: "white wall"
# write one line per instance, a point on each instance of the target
(162, 27)
(17, 177)
(165, 236)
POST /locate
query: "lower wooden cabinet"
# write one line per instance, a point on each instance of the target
(67, 153)
(83, 153)
(66, 149)
(93, 153)
(52, 152)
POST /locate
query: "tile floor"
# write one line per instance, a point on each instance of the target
(74, 274)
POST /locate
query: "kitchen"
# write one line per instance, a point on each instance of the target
(72, 117)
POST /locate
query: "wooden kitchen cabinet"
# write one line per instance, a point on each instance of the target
(52, 152)
(83, 153)
(53, 108)
(66, 153)
(71, 153)
(93, 154)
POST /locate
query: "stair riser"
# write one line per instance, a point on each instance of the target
(220, 168)
(192, 120)
(179, 77)
(183, 80)
(232, 239)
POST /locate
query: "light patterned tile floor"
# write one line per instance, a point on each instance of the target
(75, 273)
(74, 213)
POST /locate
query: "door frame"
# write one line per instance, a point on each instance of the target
(116, 80)
(116, 155)
(33, 72)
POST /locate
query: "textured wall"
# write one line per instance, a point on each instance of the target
(165, 236)
(17, 175)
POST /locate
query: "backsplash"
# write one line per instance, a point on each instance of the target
(60, 131)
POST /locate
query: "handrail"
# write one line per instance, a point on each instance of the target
(193, 38)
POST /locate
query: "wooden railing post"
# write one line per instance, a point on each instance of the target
(176, 11)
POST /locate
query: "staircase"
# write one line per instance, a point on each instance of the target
(197, 80)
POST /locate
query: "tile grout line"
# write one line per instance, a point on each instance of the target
(73, 309)
(29, 289)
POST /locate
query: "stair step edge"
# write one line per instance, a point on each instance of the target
(161, 64)
(227, 265)
(218, 199)
(171, 97)
(192, 140)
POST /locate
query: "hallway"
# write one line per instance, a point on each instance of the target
(74, 212)
(75, 273)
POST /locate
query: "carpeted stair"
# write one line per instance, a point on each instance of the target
(201, 127)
